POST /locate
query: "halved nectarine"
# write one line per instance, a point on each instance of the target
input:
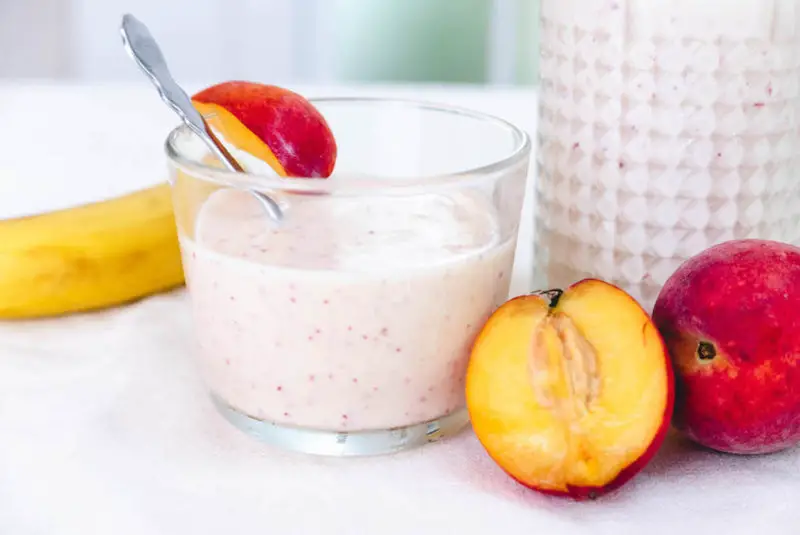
(571, 393)
(273, 124)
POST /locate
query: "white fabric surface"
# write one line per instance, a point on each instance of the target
(105, 427)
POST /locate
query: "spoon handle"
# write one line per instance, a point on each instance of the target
(145, 52)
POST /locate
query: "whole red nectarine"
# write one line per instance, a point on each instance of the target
(730, 317)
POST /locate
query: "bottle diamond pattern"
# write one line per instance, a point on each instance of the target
(665, 126)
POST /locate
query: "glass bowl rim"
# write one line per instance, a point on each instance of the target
(368, 182)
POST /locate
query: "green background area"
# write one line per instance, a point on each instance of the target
(445, 41)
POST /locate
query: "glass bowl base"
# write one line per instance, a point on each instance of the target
(344, 443)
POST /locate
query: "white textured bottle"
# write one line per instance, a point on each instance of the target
(666, 126)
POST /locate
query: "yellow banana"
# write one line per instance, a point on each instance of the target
(89, 257)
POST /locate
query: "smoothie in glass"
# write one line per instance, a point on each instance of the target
(351, 316)
(346, 327)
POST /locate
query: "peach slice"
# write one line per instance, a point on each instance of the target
(570, 392)
(273, 124)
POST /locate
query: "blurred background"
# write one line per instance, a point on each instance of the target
(483, 42)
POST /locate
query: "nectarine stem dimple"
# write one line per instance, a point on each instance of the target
(553, 295)
(706, 351)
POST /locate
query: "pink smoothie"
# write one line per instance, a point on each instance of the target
(355, 314)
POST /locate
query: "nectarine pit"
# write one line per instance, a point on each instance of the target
(563, 367)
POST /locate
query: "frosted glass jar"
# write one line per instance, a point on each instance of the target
(666, 126)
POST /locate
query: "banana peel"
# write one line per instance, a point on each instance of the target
(89, 257)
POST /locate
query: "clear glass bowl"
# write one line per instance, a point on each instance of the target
(345, 329)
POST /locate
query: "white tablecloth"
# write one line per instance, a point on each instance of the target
(105, 427)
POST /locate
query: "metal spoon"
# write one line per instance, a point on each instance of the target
(144, 50)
